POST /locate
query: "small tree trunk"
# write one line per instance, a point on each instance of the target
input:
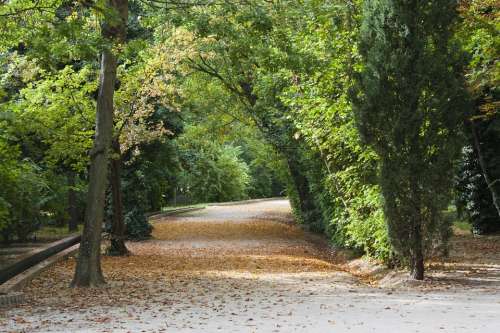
(417, 255)
(72, 205)
(117, 237)
(417, 267)
(302, 187)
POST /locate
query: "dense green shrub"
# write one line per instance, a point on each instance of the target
(211, 172)
(341, 172)
(137, 225)
(22, 195)
(135, 202)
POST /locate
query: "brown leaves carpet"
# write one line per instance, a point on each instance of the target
(187, 250)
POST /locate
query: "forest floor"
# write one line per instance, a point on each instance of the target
(247, 268)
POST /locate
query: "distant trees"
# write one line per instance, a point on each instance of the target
(211, 172)
(409, 109)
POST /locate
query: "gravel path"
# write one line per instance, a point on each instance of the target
(240, 268)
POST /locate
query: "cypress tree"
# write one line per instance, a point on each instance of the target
(409, 105)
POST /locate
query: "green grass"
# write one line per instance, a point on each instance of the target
(462, 225)
(48, 232)
(459, 225)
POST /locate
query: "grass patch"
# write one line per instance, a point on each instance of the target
(49, 232)
(462, 226)
(459, 226)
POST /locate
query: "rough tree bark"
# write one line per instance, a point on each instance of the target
(117, 236)
(418, 218)
(88, 269)
(417, 255)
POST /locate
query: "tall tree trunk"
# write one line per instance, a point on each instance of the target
(417, 217)
(117, 237)
(482, 163)
(72, 204)
(88, 269)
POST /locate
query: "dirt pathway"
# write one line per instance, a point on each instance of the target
(240, 268)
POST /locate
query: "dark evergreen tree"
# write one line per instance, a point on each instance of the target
(409, 107)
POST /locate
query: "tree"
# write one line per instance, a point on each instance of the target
(49, 115)
(409, 107)
(345, 184)
(88, 269)
(254, 76)
(148, 86)
(479, 177)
